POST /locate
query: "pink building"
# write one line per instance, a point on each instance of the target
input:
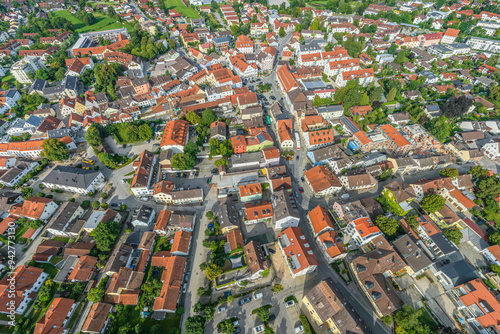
(430, 39)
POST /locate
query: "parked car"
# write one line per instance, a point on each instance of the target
(192, 172)
(114, 205)
(197, 173)
(245, 300)
(271, 318)
(221, 309)
(302, 179)
(236, 323)
(301, 190)
(299, 329)
(236, 330)
(258, 296)
(271, 250)
(289, 303)
(214, 171)
(184, 287)
(177, 174)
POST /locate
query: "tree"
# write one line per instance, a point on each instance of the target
(145, 132)
(494, 238)
(412, 221)
(54, 149)
(268, 330)
(105, 235)
(391, 95)
(5, 86)
(213, 271)
(44, 293)
(392, 49)
(298, 28)
(478, 171)
(495, 268)
(193, 117)
(365, 100)
(27, 192)
(453, 234)
(220, 162)
(432, 202)
(449, 172)
(282, 32)
(457, 106)
(315, 24)
(230, 298)
(400, 58)
(387, 225)
(408, 319)
(263, 313)
(96, 294)
(227, 326)
(447, 330)
(277, 288)
(104, 205)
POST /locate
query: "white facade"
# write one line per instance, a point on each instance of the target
(22, 68)
(96, 184)
(492, 150)
(21, 308)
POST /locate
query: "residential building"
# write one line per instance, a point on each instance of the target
(414, 256)
(332, 246)
(297, 252)
(97, 320)
(319, 220)
(322, 181)
(144, 217)
(175, 136)
(101, 217)
(21, 69)
(284, 214)
(75, 180)
(143, 174)
(250, 192)
(35, 208)
(57, 316)
(256, 259)
(399, 196)
(492, 254)
(362, 230)
(365, 77)
(358, 182)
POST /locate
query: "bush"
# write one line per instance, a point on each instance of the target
(96, 205)
(104, 195)
(85, 204)
(104, 205)
(123, 207)
(72, 199)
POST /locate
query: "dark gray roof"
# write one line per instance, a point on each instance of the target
(415, 257)
(144, 213)
(443, 243)
(283, 206)
(459, 272)
(66, 211)
(71, 177)
(228, 215)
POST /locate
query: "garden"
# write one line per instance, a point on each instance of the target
(103, 22)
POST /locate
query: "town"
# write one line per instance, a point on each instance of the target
(281, 166)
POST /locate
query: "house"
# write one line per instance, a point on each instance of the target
(397, 144)
(492, 149)
(65, 222)
(297, 252)
(35, 208)
(175, 136)
(414, 256)
(75, 180)
(270, 157)
(234, 240)
(181, 243)
(228, 216)
(322, 181)
(492, 254)
(143, 174)
(256, 259)
(29, 280)
(218, 130)
(325, 307)
(171, 278)
(358, 182)
(372, 272)
(362, 230)
(250, 192)
(453, 273)
(181, 222)
(124, 287)
(449, 36)
(14, 174)
(57, 317)
(144, 216)
(399, 196)
(332, 246)
(84, 269)
(399, 118)
(365, 77)
(97, 319)
(101, 217)
(164, 192)
(477, 304)
(319, 220)
(284, 214)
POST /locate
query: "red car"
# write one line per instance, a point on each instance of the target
(301, 190)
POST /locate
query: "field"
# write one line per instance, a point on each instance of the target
(181, 8)
(130, 316)
(103, 22)
(8, 78)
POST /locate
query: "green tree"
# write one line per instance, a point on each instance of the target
(494, 238)
(408, 319)
(432, 202)
(495, 268)
(277, 288)
(54, 149)
(108, 160)
(298, 28)
(220, 162)
(478, 171)
(227, 326)
(230, 298)
(387, 225)
(145, 132)
(105, 235)
(5, 86)
(96, 205)
(193, 118)
(365, 100)
(96, 294)
(315, 24)
(263, 313)
(412, 221)
(449, 172)
(213, 271)
(453, 234)
(27, 192)
(282, 32)
(44, 293)
(391, 95)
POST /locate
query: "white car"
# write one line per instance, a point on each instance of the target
(259, 329)
(299, 329)
(221, 309)
(257, 296)
(289, 303)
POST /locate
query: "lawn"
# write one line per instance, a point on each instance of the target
(181, 8)
(104, 22)
(131, 316)
(426, 319)
(8, 78)
(48, 268)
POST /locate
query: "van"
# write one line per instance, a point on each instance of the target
(258, 296)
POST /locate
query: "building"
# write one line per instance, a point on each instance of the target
(373, 270)
(171, 278)
(492, 254)
(144, 168)
(101, 217)
(21, 69)
(124, 287)
(284, 213)
(449, 36)
(97, 319)
(358, 182)
(319, 220)
(414, 256)
(29, 280)
(57, 317)
(332, 246)
(75, 180)
(362, 230)
(84, 269)
(144, 217)
(322, 181)
(297, 252)
(325, 306)
(175, 136)
(478, 305)
(65, 222)
(35, 208)
(399, 196)
(365, 77)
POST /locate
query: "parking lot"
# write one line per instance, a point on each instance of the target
(247, 321)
